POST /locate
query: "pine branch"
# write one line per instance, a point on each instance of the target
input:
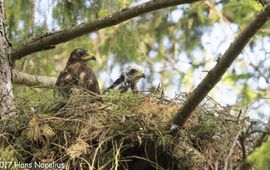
(216, 73)
(33, 80)
(49, 40)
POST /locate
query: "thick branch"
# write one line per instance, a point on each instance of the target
(49, 40)
(216, 73)
(33, 80)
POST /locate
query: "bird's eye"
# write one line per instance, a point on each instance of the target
(81, 53)
(132, 71)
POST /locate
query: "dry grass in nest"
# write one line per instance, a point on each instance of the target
(122, 131)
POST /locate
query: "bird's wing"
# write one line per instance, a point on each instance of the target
(120, 80)
(65, 78)
(64, 81)
(133, 87)
(88, 79)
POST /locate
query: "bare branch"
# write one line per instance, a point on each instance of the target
(32, 80)
(264, 2)
(257, 69)
(49, 40)
(232, 149)
(216, 73)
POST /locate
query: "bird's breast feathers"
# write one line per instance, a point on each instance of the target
(124, 87)
(82, 76)
(68, 77)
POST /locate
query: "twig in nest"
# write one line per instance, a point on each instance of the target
(240, 113)
(242, 138)
(228, 158)
(67, 119)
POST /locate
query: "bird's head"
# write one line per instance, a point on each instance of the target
(80, 55)
(133, 74)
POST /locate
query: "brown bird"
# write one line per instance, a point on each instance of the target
(77, 74)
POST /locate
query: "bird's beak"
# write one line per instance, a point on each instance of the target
(140, 74)
(89, 56)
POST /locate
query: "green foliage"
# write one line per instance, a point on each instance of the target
(241, 11)
(35, 100)
(120, 46)
(8, 154)
(193, 24)
(8, 157)
(247, 95)
(235, 77)
(122, 98)
(203, 130)
(187, 81)
(19, 18)
(261, 156)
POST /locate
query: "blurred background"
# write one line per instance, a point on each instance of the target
(175, 47)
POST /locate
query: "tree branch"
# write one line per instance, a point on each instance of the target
(33, 80)
(49, 40)
(216, 73)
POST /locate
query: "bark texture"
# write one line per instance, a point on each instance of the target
(6, 94)
(216, 73)
(49, 40)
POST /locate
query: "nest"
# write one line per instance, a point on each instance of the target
(121, 131)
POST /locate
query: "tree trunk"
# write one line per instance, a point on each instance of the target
(6, 93)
